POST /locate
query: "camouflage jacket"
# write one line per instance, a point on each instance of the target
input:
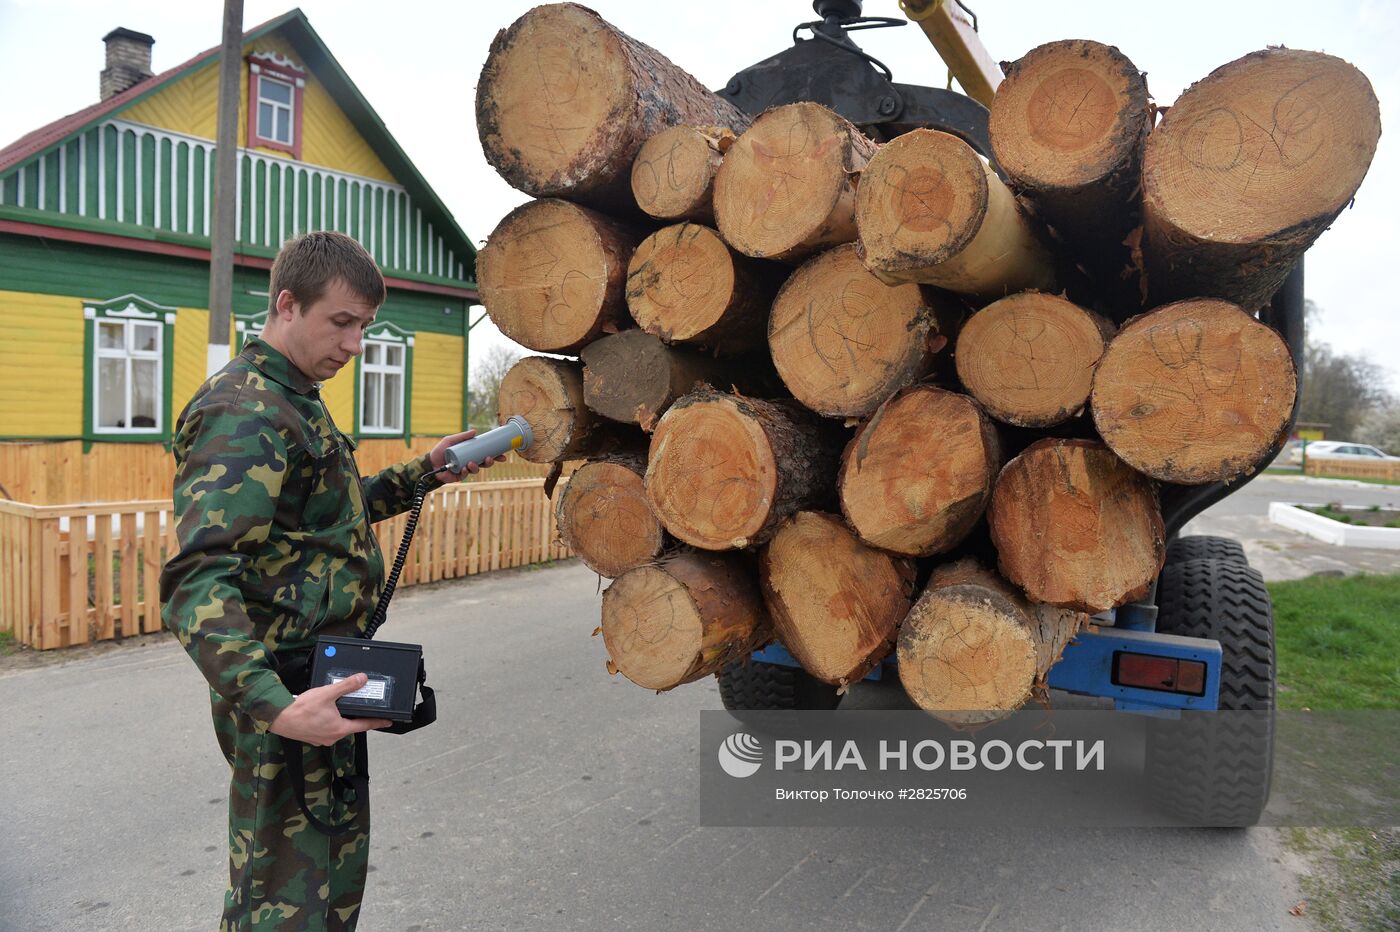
(275, 545)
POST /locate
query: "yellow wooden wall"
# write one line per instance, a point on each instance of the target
(437, 383)
(328, 137)
(41, 365)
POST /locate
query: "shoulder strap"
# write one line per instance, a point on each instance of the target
(355, 787)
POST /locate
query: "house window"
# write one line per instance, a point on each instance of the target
(129, 368)
(275, 110)
(275, 90)
(384, 384)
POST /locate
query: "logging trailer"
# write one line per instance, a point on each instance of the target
(1202, 639)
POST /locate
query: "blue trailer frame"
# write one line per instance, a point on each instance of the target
(1090, 660)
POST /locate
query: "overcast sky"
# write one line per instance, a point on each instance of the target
(419, 67)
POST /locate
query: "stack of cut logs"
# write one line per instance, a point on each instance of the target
(865, 398)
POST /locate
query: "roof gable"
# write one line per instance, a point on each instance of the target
(293, 29)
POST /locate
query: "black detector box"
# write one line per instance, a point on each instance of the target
(392, 669)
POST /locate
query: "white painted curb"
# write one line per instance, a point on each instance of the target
(1333, 532)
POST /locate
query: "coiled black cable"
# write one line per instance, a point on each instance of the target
(420, 491)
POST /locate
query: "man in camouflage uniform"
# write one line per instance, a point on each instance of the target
(275, 550)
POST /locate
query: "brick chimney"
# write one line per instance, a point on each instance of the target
(128, 60)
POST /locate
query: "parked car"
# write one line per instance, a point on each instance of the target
(1339, 450)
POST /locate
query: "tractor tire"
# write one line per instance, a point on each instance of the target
(754, 686)
(1203, 769)
(1202, 547)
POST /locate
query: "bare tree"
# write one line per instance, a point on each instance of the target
(1338, 389)
(486, 385)
(1381, 428)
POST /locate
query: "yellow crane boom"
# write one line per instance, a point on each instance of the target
(951, 30)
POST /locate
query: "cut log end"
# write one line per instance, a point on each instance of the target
(1070, 114)
(1197, 391)
(1029, 359)
(535, 110)
(785, 188)
(552, 275)
(674, 173)
(1268, 142)
(712, 473)
(682, 619)
(844, 341)
(548, 393)
(918, 475)
(930, 210)
(835, 602)
(604, 518)
(652, 628)
(1075, 527)
(680, 282)
(967, 654)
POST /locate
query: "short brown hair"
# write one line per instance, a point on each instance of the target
(307, 265)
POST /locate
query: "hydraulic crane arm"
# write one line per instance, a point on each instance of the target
(951, 30)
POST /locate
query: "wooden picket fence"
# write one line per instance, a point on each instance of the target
(71, 574)
(1388, 470)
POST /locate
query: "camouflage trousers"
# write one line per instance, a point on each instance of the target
(284, 874)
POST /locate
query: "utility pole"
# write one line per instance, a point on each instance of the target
(225, 206)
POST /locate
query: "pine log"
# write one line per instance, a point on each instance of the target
(682, 618)
(844, 341)
(931, 210)
(685, 285)
(553, 275)
(1029, 358)
(723, 470)
(787, 187)
(1247, 169)
(549, 394)
(1074, 526)
(632, 377)
(835, 602)
(917, 476)
(1197, 391)
(1068, 127)
(566, 100)
(604, 518)
(973, 649)
(673, 177)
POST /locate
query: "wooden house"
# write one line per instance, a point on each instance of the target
(104, 263)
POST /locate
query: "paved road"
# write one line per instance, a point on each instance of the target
(1280, 553)
(549, 796)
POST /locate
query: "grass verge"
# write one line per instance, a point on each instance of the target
(1338, 642)
(7, 644)
(1338, 647)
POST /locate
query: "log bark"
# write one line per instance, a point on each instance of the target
(566, 100)
(836, 603)
(1197, 391)
(549, 394)
(723, 470)
(682, 619)
(673, 176)
(1068, 126)
(844, 341)
(604, 517)
(931, 210)
(786, 188)
(973, 649)
(917, 476)
(685, 285)
(1075, 527)
(553, 275)
(1247, 169)
(632, 377)
(1029, 358)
